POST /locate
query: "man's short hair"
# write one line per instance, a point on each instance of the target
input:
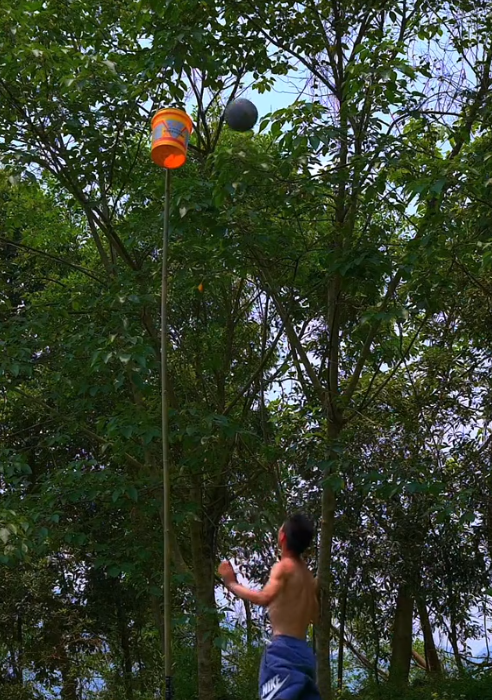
(299, 531)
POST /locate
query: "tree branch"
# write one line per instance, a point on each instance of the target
(36, 251)
(367, 400)
(362, 658)
(373, 330)
(86, 431)
(293, 337)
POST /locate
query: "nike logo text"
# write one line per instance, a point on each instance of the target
(271, 687)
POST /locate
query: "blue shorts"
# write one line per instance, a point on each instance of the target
(287, 670)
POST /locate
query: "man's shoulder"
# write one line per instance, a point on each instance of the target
(283, 566)
(288, 566)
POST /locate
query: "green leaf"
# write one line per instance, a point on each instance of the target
(127, 431)
(438, 186)
(150, 434)
(335, 482)
(133, 493)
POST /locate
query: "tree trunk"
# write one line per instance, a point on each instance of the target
(341, 639)
(69, 682)
(333, 417)
(159, 619)
(377, 639)
(20, 651)
(362, 658)
(125, 648)
(431, 656)
(488, 514)
(323, 633)
(249, 625)
(343, 617)
(419, 660)
(401, 643)
(453, 638)
(207, 621)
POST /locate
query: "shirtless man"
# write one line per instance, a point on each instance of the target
(287, 669)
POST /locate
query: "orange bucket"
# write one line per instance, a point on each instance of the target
(171, 129)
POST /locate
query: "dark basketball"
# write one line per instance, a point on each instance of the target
(241, 115)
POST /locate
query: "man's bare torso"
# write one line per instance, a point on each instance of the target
(296, 605)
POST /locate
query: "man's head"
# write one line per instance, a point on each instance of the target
(296, 534)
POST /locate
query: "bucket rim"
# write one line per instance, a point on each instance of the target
(177, 112)
(165, 141)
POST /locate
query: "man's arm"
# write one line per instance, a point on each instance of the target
(265, 596)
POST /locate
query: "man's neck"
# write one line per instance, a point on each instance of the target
(285, 554)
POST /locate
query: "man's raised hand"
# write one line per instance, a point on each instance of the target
(226, 572)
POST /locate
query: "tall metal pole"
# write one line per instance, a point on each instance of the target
(165, 443)
(171, 129)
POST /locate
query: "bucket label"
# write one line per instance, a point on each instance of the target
(173, 129)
